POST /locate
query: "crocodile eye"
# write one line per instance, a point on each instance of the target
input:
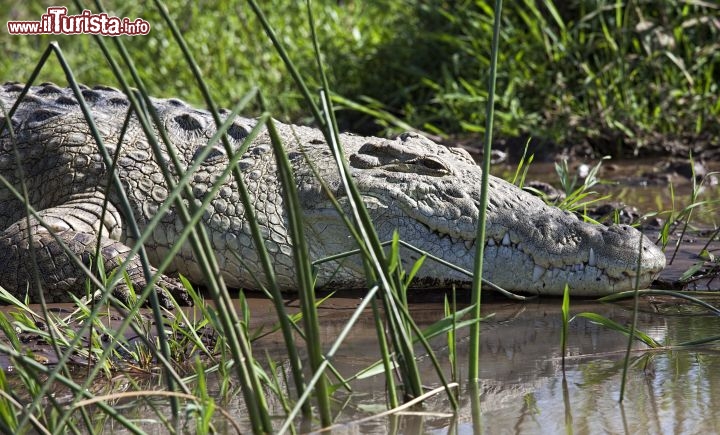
(428, 165)
(433, 163)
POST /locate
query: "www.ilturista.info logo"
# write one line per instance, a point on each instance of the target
(57, 22)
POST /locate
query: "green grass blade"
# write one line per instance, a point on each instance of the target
(474, 352)
(303, 268)
(386, 358)
(565, 322)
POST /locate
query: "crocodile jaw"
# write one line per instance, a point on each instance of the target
(601, 260)
(530, 246)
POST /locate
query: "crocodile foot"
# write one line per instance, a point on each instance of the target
(60, 275)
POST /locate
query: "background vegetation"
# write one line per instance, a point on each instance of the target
(622, 77)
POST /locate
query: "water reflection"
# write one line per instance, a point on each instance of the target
(523, 388)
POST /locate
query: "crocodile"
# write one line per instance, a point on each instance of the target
(428, 192)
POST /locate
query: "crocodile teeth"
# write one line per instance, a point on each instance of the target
(491, 241)
(592, 261)
(506, 240)
(469, 244)
(538, 272)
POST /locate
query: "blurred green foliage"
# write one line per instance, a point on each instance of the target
(616, 75)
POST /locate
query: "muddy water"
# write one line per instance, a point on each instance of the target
(523, 387)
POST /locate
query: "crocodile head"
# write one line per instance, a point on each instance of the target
(431, 194)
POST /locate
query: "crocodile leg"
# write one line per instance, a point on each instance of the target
(73, 224)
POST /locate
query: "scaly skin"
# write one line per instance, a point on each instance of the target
(428, 192)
